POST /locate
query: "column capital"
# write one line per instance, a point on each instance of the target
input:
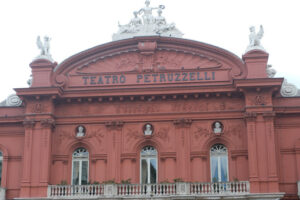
(250, 116)
(48, 123)
(114, 124)
(268, 116)
(29, 123)
(182, 122)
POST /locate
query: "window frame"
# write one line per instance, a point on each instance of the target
(219, 155)
(80, 160)
(148, 159)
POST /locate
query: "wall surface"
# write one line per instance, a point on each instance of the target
(178, 86)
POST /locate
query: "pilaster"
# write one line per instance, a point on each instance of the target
(39, 125)
(114, 129)
(27, 156)
(183, 148)
(252, 151)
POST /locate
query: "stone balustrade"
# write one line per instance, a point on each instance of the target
(241, 187)
(2, 193)
(147, 190)
(299, 189)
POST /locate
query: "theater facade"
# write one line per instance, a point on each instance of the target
(152, 116)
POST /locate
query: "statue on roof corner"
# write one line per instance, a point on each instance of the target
(145, 23)
(254, 39)
(44, 47)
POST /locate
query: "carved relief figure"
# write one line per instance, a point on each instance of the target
(259, 100)
(148, 130)
(80, 131)
(217, 128)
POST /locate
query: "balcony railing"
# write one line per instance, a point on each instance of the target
(148, 190)
(2, 193)
(299, 189)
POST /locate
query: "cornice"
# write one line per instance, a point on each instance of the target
(39, 91)
(258, 82)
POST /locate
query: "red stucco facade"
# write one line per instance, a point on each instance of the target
(181, 88)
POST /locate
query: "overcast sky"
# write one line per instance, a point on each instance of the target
(77, 25)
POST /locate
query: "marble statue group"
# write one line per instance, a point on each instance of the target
(145, 23)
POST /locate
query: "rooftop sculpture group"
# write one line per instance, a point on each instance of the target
(145, 23)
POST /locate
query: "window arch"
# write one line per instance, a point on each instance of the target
(80, 166)
(219, 163)
(148, 165)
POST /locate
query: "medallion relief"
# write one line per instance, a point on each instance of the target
(134, 135)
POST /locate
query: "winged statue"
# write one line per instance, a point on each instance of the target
(254, 38)
(43, 47)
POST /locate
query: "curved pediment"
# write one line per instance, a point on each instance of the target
(148, 60)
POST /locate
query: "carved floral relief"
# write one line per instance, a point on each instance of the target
(147, 107)
(125, 62)
(171, 60)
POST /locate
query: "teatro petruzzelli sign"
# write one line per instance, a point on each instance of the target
(151, 78)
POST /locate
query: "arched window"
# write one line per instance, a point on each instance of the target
(80, 167)
(219, 163)
(1, 160)
(148, 165)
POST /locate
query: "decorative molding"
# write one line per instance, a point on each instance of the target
(288, 150)
(60, 158)
(288, 89)
(48, 123)
(236, 130)
(38, 108)
(250, 116)
(13, 100)
(236, 153)
(99, 134)
(65, 135)
(175, 62)
(29, 123)
(61, 80)
(199, 134)
(114, 124)
(199, 154)
(163, 133)
(131, 156)
(165, 155)
(13, 158)
(182, 122)
(268, 116)
(95, 157)
(259, 100)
